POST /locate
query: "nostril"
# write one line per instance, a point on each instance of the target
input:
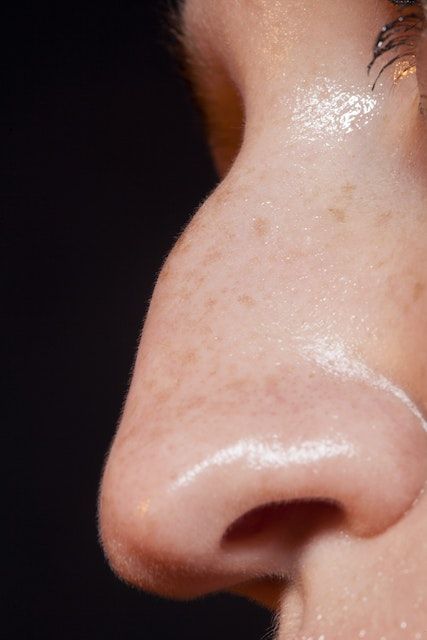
(290, 524)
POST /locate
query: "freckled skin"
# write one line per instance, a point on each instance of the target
(383, 218)
(348, 190)
(419, 289)
(246, 300)
(283, 359)
(261, 227)
(338, 214)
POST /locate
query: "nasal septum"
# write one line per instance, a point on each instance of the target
(224, 497)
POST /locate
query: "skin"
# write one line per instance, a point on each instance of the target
(273, 440)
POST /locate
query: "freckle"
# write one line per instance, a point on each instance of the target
(260, 227)
(229, 234)
(212, 256)
(419, 289)
(246, 300)
(238, 385)
(189, 357)
(348, 190)
(194, 403)
(184, 293)
(162, 396)
(211, 302)
(338, 214)
(193, 277)
(383, 218)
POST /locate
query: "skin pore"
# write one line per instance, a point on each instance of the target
(273, 441)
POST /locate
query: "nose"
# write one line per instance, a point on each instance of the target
(249, 431)
(233, 488)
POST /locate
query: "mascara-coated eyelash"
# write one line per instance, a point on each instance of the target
(398, 36)
(404, 3)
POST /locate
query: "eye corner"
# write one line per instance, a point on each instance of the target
(396, 43)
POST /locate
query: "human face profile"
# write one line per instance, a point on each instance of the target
(273, 441)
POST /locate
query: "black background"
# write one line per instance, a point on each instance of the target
(103, 162)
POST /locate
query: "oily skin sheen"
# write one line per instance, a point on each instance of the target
(273, 440)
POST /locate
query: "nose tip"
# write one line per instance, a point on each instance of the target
(199, 510)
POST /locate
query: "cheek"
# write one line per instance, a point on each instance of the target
(383, 580)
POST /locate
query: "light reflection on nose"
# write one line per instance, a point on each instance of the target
(333, 357)
(259, 454)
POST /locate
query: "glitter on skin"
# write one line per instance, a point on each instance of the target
(328, 111)
(404, 69)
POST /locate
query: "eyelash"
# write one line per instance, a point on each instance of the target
(399, 33)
